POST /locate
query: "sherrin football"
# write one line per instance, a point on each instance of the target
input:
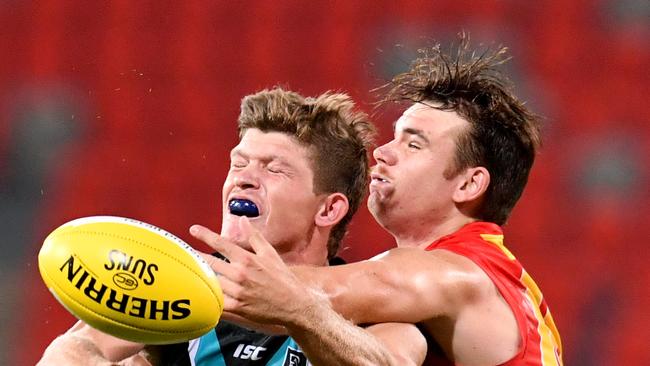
(131, 279)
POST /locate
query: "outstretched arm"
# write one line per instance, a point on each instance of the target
(401, 285)
(83, 345)
(260, 287)
(405, 285)
(328, 339)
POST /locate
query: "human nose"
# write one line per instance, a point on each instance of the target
(246, 179)
(385, 154)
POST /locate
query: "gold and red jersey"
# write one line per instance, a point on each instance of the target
(482, 243)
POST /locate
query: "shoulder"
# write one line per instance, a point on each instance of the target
(459, 279)
(442, 261)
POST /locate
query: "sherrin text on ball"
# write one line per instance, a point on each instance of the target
(131, 279)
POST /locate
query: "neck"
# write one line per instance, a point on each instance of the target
(421, 234)
(303, 258)
(311, 252)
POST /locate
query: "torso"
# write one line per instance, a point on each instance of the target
(511, 326)
(232, 345)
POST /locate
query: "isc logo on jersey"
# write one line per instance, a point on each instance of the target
(248, 352)
(293, 357)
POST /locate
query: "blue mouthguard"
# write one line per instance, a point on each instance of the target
(241, 207)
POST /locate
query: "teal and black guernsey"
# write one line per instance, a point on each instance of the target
(232, 345)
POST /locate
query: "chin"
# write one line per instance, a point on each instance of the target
(376, 204)
(380, 211)
(376, 209)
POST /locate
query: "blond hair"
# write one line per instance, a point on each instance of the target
(339, 137)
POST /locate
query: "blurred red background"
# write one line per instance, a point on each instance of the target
(128, 108)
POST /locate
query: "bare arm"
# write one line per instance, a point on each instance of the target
(411, 286)
(459, 304)
(84, 345)
(405, 342)
(260, 287)
(261, 327)
(328, 339)
(452, 296)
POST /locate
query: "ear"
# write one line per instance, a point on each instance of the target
(473, 184)
(332, 210)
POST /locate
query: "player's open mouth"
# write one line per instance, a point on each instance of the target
(243, 207)
(378, 178)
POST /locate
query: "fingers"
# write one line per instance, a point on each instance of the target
(230, 278)
(238, 277)
(233, 251)
(257, 241)
(228, 249)
(228, 274)
(209, 259)
(230, 304)
(230, 289)
(204, 234)
(219, 266)
(135, 360)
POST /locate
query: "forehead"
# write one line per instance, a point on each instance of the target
(271, 145)
(431, 122)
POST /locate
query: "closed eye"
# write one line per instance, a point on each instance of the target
(275, 168)
(238, 164)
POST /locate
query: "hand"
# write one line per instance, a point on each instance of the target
(137, 360)
(72, 350)
(83, 345)
(257, 285)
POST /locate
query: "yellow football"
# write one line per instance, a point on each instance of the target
(131, 279)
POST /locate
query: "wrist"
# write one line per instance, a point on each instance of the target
(310, 315)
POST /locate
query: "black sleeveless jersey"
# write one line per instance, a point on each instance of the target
(232, 345)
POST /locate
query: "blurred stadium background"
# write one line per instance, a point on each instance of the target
(128, 108)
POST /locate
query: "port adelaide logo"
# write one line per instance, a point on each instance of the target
(295, 358)
(128, 274)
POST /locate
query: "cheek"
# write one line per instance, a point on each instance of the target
(291, 210)
(415, 175)
(227, 186)
(421, 181)
(225, 190)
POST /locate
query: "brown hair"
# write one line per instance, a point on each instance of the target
(503, 135)
(339, 137)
